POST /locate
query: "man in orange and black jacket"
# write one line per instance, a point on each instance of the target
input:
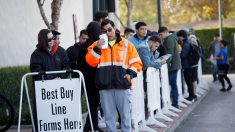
(116, 65)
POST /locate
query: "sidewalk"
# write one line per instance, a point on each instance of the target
(171, 126)
(214, 114)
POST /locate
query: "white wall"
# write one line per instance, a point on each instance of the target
(20, 22)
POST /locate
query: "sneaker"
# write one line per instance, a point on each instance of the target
(229, 87)
(189, 98)
(222, 89)
(101, 123)
(194, 99)
(215, 80)
(99, 130)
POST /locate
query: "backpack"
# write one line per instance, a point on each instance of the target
(194, 55)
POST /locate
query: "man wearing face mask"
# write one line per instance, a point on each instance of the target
(116, 64)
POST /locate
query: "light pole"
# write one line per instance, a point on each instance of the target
(159, 12)
(220, 19)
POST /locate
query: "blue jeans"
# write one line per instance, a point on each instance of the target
(111, 100)
(214, 70)
(174, 89)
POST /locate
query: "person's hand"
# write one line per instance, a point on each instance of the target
(100, 42)
(128, 78)
(163, 62)
(57, 78)
(216, 58)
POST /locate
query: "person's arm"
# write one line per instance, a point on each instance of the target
(93, 55)
(146, 59)
(220, 56)
(135, 63)
(185, 51)
(72, 58)
(36, 65)
(170, 44)
(64, 63)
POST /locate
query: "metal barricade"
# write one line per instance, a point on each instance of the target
(24, 86)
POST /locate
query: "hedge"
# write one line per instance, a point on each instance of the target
(206, 36)
(10, 79)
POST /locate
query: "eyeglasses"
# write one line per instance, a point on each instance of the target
(109, 30)
(50, 39)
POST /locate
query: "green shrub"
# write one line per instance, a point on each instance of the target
(206, 36)
(10, 80)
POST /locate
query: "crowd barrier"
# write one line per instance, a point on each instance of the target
(153, 96)
(154, 101)
(202, 84)
(137, 104)
(167, 107)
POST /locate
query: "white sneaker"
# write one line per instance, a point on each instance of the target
(101, 121)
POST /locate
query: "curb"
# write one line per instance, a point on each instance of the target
(186, 114)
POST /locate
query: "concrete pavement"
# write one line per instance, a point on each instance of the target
(215, 113)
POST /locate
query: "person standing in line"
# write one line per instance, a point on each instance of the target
(174, 63)
(223, 65)
(77, 55)
(146, 52)
(100, 16)
(93, 30)
(128, 33)
(190, 71)
(75, 52)
(214, 51)
(47, 58)
(141, 34)
(116, 65)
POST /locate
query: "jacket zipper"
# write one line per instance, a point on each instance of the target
(111, 65)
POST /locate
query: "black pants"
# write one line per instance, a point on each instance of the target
(222, 72)
(190, 75)
(94, 100)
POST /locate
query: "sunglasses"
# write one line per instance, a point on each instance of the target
(109, 30)
(50, 39)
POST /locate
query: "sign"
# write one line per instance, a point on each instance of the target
(59, 105)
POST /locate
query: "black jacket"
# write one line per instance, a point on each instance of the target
(76, 57)
(42, 60)
(76, 54)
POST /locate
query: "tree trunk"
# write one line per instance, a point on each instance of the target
(129, 5)
(55, 13)
(43, 14)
